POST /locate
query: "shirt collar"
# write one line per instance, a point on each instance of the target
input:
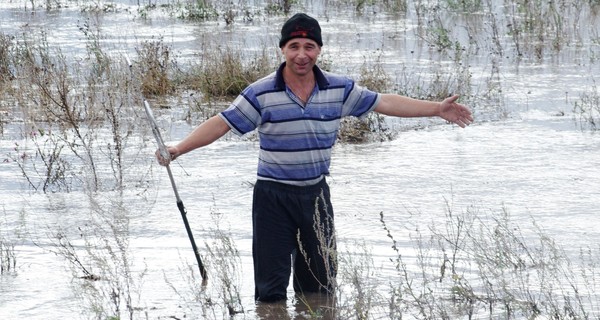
(319, 76)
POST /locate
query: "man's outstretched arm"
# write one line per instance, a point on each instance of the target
(401, 106)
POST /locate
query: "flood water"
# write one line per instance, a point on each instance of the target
(526, 154)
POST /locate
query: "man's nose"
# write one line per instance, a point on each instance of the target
(301, 53)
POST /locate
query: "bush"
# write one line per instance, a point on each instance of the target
(154, 62)
(224, 72)
(6, 43)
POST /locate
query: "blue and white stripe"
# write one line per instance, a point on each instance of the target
(295, 140)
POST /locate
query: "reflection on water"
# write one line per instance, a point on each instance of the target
(305, 306)
(536, 163)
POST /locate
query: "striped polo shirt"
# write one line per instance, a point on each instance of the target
(296, 140)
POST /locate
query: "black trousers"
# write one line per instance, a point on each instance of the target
(292, 226)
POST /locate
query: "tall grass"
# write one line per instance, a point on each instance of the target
(8, 257)
(220, 297)
(587, 109)
(472, 264)
(6, 46)
(106, 281)
(154, 63)
(224, 71)
(68, 103)
(478, 264)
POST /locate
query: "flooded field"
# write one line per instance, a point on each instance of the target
(89, 227)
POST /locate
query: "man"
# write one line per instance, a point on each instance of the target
(297, 111)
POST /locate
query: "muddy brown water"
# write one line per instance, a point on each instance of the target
(527, 155)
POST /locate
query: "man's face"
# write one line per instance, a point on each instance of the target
(301, 55)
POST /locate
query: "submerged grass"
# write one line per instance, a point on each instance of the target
(484, 265)
(8, 258)
(587, 109)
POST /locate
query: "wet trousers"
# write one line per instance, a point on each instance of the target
(292, 228)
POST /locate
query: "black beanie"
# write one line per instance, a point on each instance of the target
(300, 25)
